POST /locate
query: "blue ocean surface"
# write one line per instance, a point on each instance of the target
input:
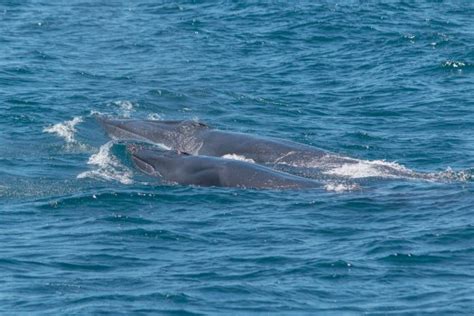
(82, 231)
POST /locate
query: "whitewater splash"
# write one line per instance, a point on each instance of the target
(66, 129)
(351, 168)
(107, 167)
(126, 107)
(371, 168)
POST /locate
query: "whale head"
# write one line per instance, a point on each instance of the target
(176, 135)
(157, 163)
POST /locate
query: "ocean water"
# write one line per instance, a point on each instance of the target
(386, 82)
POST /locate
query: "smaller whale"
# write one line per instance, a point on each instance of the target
(185, 169)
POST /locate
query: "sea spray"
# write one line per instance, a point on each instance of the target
(126, 107)
(66, 129)
(107, 167)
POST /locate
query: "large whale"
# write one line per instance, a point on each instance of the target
(185, 169)
(197, 138)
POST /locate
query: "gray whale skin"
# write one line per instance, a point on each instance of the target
(175, 167)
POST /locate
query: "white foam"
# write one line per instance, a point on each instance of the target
(102, 158)
(451, 175)
(238, 157)
(352, 168)
(370, 168)
(126, 107)
(454, 64)
(94, 112)
(154, 117)
(108, 167)
(341, 187)
(66, 129)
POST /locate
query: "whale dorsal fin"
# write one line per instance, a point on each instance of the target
(183, 153)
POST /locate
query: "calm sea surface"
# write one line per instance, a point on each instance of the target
(83, 232)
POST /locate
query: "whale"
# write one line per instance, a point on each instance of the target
(197, 138)
(184, 169)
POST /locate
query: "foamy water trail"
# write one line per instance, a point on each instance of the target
(350, 168)
(66, 129)
(393, 170)
(370, 168)
(107, 167)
